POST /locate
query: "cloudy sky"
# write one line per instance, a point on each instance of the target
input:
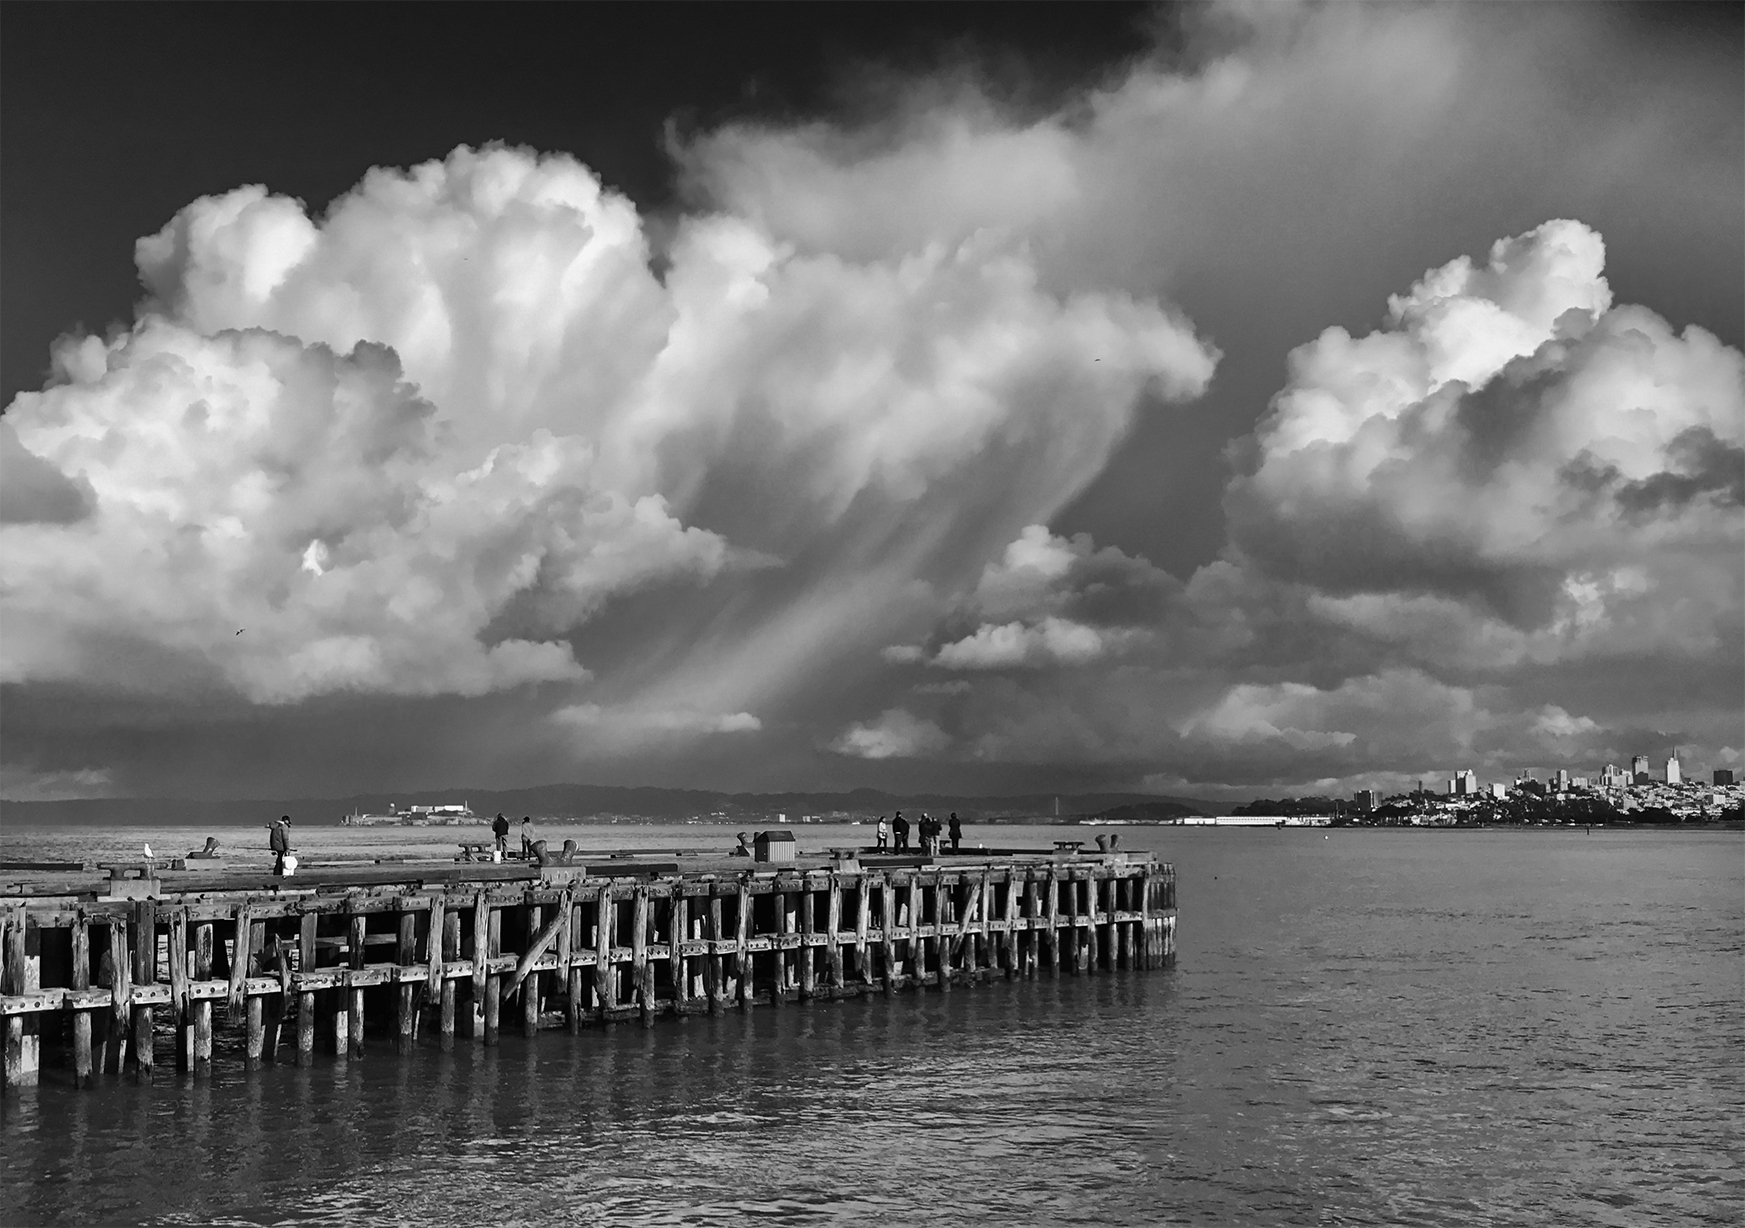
(1216, 401)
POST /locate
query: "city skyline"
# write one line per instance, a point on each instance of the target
(1215, 402)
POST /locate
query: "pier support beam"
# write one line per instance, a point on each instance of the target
(81, 976)
(446, 994)
(144, 941)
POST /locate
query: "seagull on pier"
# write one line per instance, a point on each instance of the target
(148, 851)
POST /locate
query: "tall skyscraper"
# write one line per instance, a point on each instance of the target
(1673, 775)
(1638, 769)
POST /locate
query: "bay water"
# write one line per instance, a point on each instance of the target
(1363, 1027)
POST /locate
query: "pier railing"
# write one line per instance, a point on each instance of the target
(284, 972)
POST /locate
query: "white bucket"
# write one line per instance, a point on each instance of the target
(290, 864)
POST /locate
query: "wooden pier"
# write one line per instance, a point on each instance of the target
(104, 979)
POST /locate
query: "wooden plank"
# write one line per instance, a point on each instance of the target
(81, 979)
(1124, 929)
(179, 1000)
(493, 980)
(542, 942)
(307, 941)
(1052, 889)
(888, 933)
(742, 937)
(808, 930)
(712, 966)
(144, 943)
(642, 973)
(433, 947)
(481, 944)
(1014, 889)
(406, 1004)
(238, 963)
(575, 985)
(22, 1063)
(256, 1032)
(450, 953)
(832, 939)
(605, 979)
(201, 1008)
(862, 931)
(941, 923)
(680, 926)
(1091, 944)
(357, 926)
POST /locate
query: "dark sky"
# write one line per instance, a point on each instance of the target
(1223, 625)
(117, 115)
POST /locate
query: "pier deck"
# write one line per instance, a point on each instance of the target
(101, 975)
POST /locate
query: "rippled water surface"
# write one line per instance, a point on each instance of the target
(1372, 1028)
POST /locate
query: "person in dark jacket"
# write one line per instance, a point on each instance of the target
(956, 830)
(900, 829)
(279, 841)
(500, 829)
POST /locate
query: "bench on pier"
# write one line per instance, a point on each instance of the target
(476, 850)
(1068, 846)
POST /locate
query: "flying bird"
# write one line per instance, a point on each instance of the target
(240, 631)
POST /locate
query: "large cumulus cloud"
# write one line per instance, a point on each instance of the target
(412, 445)
(1515, 452)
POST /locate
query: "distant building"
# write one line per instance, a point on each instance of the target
(1614, 777)
(1725, 776)
(1563, 780)
(1364, 799)
(1639, 769)
(1673, 775)
(1499, 789)
(1464, 784)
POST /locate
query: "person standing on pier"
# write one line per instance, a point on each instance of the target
(900, 829)
(884, 835)
(528, 837)
(500, 829)
(956, 830)
(279, 841)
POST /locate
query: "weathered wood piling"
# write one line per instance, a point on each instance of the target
(352, 962)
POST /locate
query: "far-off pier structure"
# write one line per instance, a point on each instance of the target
(105, 978)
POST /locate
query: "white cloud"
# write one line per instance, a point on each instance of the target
(1514, 458)
(1053, 641)
(413, 445)
(895, 734)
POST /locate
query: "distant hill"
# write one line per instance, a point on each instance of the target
(1156, 811)
(571, 801)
